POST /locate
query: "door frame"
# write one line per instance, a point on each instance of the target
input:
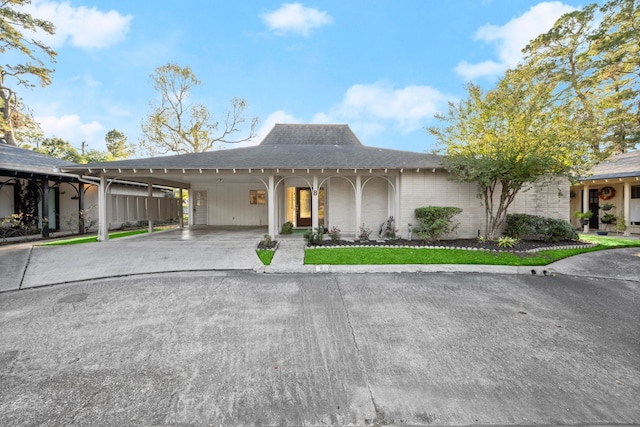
(204, 206)
(303, 221)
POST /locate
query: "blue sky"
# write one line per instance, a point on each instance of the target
(383, 67)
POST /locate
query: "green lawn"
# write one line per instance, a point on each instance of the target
(374, 255)
(265, 256)
(91, 239)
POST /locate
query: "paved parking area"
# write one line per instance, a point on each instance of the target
(241, 348)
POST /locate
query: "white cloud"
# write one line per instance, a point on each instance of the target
(371, 108)
(70, 128)
(295, 18)
(510, 38)
(82, 27)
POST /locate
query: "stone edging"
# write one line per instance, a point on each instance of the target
(584, 246)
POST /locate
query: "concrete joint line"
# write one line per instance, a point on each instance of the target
(24, 273)
(379, 419)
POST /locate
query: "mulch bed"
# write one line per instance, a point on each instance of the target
(523, 245)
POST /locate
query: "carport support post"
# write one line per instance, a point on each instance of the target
(627, 206)
(397, 218)
(358, 203)
(315, 221)
(103, 227)
(150, 206)
(45, 208)
(272, 206)
(181, 210)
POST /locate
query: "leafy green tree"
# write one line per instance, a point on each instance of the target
(60, 149)
(592, 59)
(117, 145)
(178, 126)
(15, 26)
(507, 139)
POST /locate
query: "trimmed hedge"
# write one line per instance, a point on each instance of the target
(534, 227)
(435, 222)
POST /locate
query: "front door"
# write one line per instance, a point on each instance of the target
(303, 207)
(199, 208)
(594, 206)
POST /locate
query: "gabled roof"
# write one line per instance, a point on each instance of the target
(15, 159)
(619, 166)
(287, 146)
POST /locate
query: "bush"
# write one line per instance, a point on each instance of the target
(435, 222)
(507, 242)
(534, 227)
(287, 228)
(313, 237)
(334, 234)
(364, 232)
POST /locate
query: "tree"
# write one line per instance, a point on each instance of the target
(176, 125)
(117, 145)
(60, 149)
(14, 24)
(507, 139)
(592, 58)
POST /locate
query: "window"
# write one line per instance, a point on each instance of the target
(635, 191)
(256, 197)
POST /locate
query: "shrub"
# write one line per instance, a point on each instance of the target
(364, 232)
(522, 226)
(334, 234)
(313, 237)
(507, 242)
(287, 228)
(435, 221)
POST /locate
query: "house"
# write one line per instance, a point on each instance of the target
(615, 181)
(33, 183)
(316, 175)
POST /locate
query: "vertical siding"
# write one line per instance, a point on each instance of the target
(375, 203)
(341, 205)
(228, 204)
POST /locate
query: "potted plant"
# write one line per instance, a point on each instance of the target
(607, 207)
(608, 218)
(583, 216)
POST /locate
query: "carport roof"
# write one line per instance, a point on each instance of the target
(287, 146)
(18, 162)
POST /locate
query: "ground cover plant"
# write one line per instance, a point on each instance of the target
(265, 256)
(91, 239)
(424, 255)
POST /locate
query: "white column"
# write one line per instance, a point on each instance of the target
(358, 203)
(181, 209)
(103, 221)
(271, 200)
(585, 203)
(151, 207)
(315, 221)
(397, 217)
(627, 206)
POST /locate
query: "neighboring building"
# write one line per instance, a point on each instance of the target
(319, 175)
(31, 181)
(615, 181)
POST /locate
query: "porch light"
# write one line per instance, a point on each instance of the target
(249, 170)
(418, 170)
(104, 170)
(134, 170)
(150, 170)
(119, 170)
(165, 170)
(89, 169)
(200, 170)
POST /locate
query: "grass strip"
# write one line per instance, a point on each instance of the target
(265, 256)
(92, 239)
(377, 256)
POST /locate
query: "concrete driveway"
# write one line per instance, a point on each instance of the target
(189, 249)
(241, 348)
